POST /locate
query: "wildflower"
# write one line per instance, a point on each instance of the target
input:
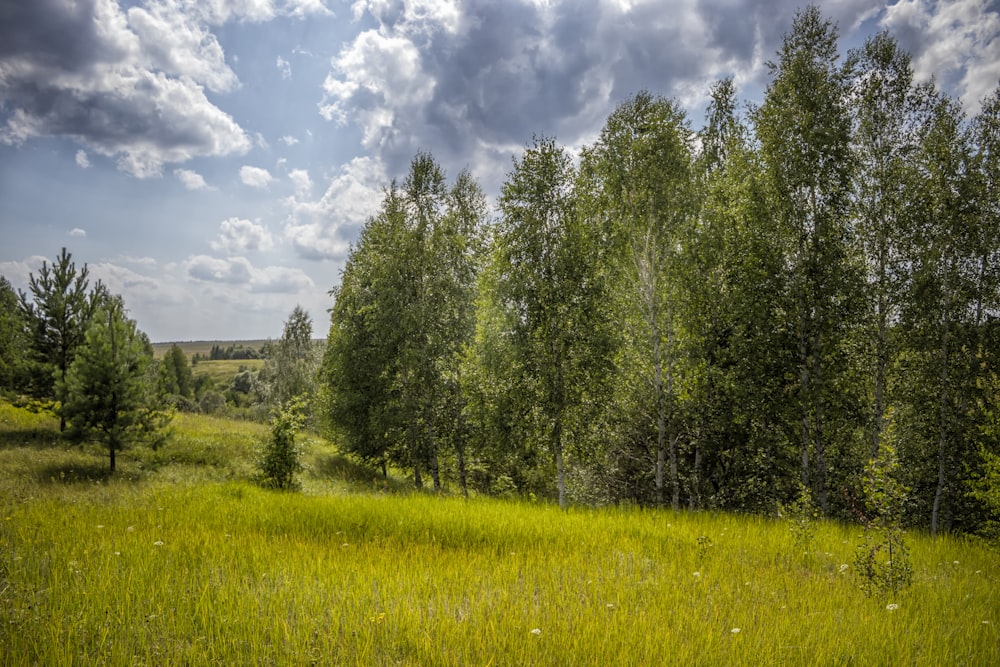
(378, 618)
(735, 631)
(130, 529)
(158, 543)
(537, 632)
(697, 575)
(118, 553)
(610, 605)
(844, 567)
(955, 562)
(892, 606)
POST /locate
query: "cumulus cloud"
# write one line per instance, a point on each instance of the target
(126, 83)
(237, 236)
(323, 229)
(957, 41)
(289, 140)
(192, 180)
(473, 81)
(300, 180)
(238, 271)
(76, 232)
(82, 160)
(255, 177)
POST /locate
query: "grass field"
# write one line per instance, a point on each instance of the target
(178, 559)
(203, 347)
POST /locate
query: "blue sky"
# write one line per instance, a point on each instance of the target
(213, 160)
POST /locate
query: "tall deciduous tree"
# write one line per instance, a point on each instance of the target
(804, 130)
(401, 316)
(292, 364)
(106, 392)
(549, 281)
(14, 341)
(641, 175)
(885, 115)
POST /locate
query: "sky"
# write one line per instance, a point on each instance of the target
(212, 161)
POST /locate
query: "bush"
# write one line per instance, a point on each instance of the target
(279, 462)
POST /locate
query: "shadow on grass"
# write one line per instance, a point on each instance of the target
(76, 472)
(338, 466)
(34, 438)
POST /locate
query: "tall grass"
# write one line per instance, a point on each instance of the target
(196, 570)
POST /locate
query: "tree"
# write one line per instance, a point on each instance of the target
(105, 391)
(290, 368)
(14, 342)
(176, 376)
(804, 131)
(279, 462)
(547, 278)
(401, 316)
(58, 316)
(641, 175)
(885, 116)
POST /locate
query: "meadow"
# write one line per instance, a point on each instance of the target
(180, 559)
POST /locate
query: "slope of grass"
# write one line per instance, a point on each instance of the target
(184, 562)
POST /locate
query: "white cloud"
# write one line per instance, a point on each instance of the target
(237, 236)
(77, 232)
(255, 177)
(129, 87)
(192, 180)
(82, 160)
(238, 271)
(285, 68)
(289, 140)
(323, 229)
(301, 181)
(957, 42)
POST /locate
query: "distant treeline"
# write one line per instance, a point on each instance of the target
(240, 352)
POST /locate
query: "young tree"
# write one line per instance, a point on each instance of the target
(14, 342)
(884, 139)
(804, 132)
(105, 391)
(547, 278)
(58, 314)
(176, 376)
(290, 369)
(640, 176)
(401, 316)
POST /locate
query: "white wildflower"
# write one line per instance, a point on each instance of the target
(735, 631)
(892, 606)
(536, 632)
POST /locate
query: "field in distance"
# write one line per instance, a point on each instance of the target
(204, 347)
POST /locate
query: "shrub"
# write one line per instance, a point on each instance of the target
(279, 462)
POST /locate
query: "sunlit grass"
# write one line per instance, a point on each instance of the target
(173, 566)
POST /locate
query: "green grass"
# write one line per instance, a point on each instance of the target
(180, 560)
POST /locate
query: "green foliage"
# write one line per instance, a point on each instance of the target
(107, 394)
(58, 315)
(292, 363)
(802, 515)
(279, 462)
(176, 378)
(14, 340)
(882, 562)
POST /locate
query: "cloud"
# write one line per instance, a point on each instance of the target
(289, 140)
(128, 84)
(82, 160)
(192, 180)
(323, 229)
(238, 271)
(77, 232)
(255, 177)
(300, 180)
(957, 41)
(285, 68)
(473, 81)
(237, 236)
